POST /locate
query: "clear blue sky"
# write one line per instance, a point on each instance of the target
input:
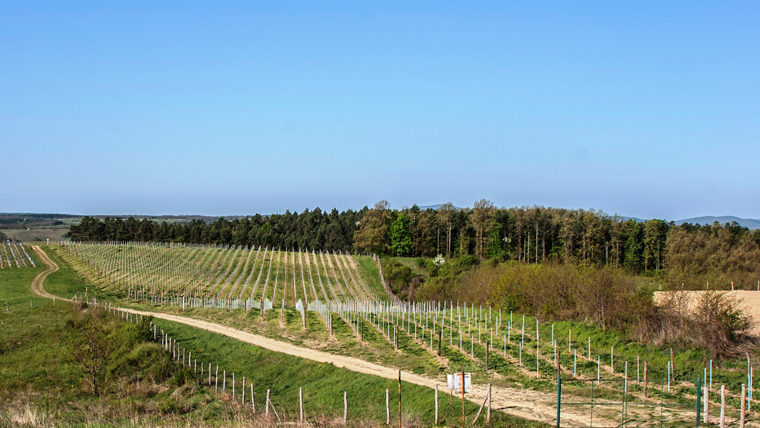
(646, 109)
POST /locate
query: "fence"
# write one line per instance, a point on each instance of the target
(651, 403)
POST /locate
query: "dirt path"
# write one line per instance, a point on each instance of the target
(524, 403)
(38, 280)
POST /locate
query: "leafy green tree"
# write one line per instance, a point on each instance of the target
(401, 235)
(633, 245)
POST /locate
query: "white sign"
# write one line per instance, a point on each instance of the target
(455, 382)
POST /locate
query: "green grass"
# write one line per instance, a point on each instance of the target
(323, 384)
(368, 270)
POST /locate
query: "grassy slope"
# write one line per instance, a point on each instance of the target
(37, 333)
(368, 270)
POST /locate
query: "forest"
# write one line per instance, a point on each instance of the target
(694, 253)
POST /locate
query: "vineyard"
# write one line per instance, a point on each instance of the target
(503, 348)
(231, 275)
(14, 256)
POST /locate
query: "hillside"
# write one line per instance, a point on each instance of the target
(751, 224)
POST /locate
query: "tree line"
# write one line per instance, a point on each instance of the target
(525, 234)
(317, 229)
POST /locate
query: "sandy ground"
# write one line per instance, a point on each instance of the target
(524, 403)
(749, 302)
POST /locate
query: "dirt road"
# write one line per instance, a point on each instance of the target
(524, 403)
(38, 280)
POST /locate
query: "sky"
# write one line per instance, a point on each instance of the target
(647, 109)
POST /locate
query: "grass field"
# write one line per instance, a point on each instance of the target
(36, 233)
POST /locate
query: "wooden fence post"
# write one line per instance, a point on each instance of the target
(646, 377)
(266, 410)
(705, 401)
(488, 411)
(399, 395)
(300, 402)
(436, 404)
(723, 406)
(387, 408)
(253, 400)
(216, 380)
(463, 385)
(224, 381)
(345, 407)
(742, 418)
(242, 398)
(486, 399)
(440, 336)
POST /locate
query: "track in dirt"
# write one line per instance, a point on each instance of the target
(524, 403)
(39, 280)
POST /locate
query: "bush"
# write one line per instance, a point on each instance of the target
(400, 278)
(709, 319)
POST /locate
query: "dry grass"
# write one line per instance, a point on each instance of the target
(22, 413)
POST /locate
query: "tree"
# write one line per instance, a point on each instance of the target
(481, 222)
(445, 214)
(90, 347)
(372, 234)
(655, 234)
(401, 235)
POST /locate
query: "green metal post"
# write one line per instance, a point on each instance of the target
(699, 392)
(559, 399)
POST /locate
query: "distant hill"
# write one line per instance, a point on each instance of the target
(749, 223)
(435, 207)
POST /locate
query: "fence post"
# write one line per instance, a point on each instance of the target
(399, 395)
(387, 408)
(559, 395)
(300, 402)
(646, 377)
(440, 337)
(723, 406)
(699, 391)
(744, 392)
(436, 404)
(488, 411)
(705, 400)
(266, 406)
(345, 407)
